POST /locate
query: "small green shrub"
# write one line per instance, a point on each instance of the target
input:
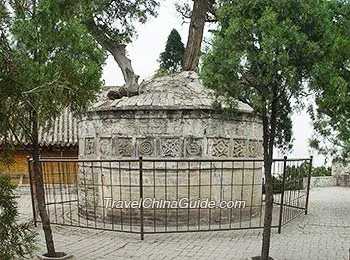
(295, 175)
(293, 178)
(17, 240)
(321, 171)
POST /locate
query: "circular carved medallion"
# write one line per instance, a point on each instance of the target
(105, 147)
(193, 149)
(146, 148)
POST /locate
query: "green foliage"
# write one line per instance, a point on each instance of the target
(115, 18)
(111, 23)
(293, 178)
(331, 83)
(17, 239)
(7, 157)
(262, 53)
(296, 174)
(172, 58)
(48, 62)
(321, 171)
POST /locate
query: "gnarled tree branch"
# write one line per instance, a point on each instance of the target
(131, 87)
(195, 36)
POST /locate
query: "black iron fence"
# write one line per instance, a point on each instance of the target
(147, 196)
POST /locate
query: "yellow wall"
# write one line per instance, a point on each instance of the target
(20, 165)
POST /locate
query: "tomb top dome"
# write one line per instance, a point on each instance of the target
(174, 92)
(173, 116)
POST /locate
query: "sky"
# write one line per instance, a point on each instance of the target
(150, 42)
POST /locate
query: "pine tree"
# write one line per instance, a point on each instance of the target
(171, 59)
(47, 62)
(263, 54)
(17, 239)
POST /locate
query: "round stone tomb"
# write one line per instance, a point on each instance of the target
(175, 126)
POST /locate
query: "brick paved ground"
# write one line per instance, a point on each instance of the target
(323, 234)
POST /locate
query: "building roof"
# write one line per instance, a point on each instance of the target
(62, 133)
(178, 91)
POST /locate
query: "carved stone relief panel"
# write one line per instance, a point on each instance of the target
(81, 147)
(106, 146)
(87, 129)
(193, 147)
(257, 130)
(254, 148)
(260, 148)
(146, 147)
(220, 147)
(107, 125)
(156, 127)
(240, 129)
(89, 146)
(123, 147)
(171, 147)
(239, 148)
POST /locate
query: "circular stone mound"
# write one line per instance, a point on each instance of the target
(173, 117)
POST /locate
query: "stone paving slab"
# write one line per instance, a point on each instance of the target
(323, 234)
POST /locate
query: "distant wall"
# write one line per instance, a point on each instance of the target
(343, 180)
(340, 177)
(339, 168)
(20, 164)
(341, 173)
(322, 181)
(329, 181)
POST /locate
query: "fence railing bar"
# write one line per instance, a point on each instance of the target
(32, 188)
(282, 195)
(60, 202)
(103, 195)
(111, 187)
(141, 198)
(199, 194)
(130, 197)
(218, 179)
(308, 186)
(121, 198)
(294, 207)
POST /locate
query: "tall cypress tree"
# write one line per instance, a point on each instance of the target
(284, 44)
(171, 59)
(17, 239)
(47, 62)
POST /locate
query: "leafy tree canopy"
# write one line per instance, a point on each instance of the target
(112, 23)
(264, 51)
(331, 83)
(183, 7)
(114, 19)
(47, 62)
(171, 59)
(262, 54)
(17, 240)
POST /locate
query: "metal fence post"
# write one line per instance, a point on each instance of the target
(31, 185)
(308, 186)
(282, 195)
(141, 198)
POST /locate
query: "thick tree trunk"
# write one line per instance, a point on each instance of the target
(131, 79)
(265, 250)
(195, 35)
(39, 188)
(118, 51)
(269, 132)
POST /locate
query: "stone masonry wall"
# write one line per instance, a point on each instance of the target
(171, 134)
